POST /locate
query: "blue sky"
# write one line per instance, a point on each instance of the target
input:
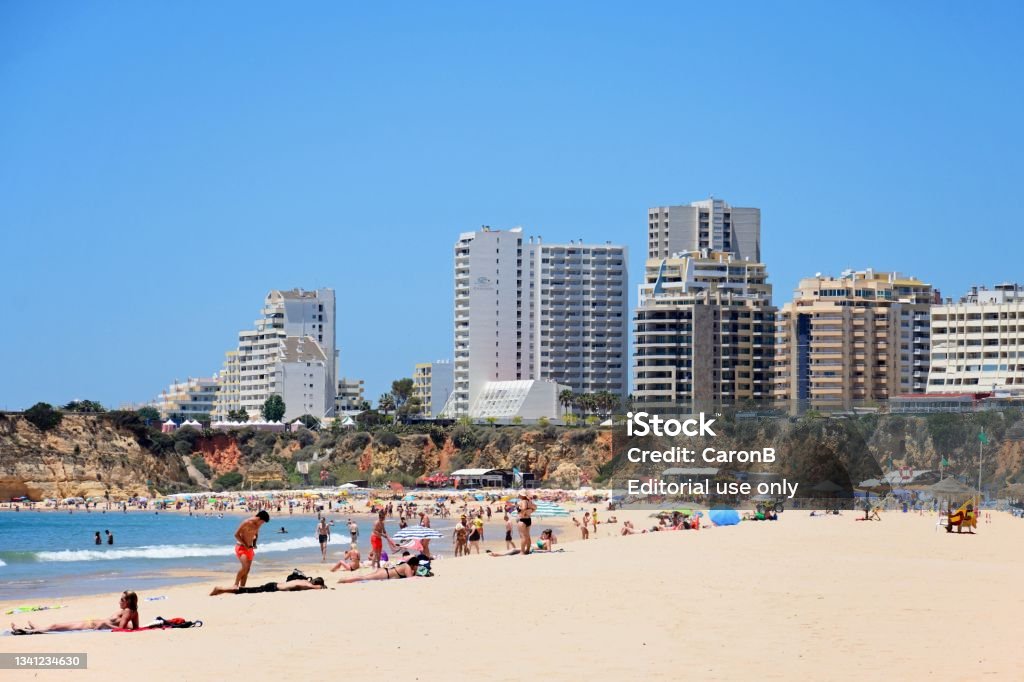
(163, 165)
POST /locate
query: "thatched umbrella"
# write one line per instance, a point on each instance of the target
(950, 488)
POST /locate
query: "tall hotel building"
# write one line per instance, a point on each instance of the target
(533, 311)
(290, 352)
(859, 338)
(704, 332)
(711, 224)
(978, 343)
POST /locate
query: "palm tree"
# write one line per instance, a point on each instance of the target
(566, 399)
(385, 403)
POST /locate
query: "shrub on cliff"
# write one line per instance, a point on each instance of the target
(199, 462)
(232, 479)
(305, 437)
(186, 434)
(43, 416)
(389, 440)
(357, 442)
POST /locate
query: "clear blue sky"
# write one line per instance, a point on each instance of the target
(164, 164)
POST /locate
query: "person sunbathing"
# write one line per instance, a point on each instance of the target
(127, 617)
(547, 541)
(350, 562)
(289, 586)
(406, 569)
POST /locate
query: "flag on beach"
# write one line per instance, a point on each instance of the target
(517, 476)
(982, 438)
(945, 461)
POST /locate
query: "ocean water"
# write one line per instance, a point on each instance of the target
(51, 554)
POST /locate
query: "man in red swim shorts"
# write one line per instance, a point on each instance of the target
(245, 547)
(377, 540)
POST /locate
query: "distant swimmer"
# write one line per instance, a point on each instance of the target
(110, 537)
(245, 549)
(283, 530)
(98, 540)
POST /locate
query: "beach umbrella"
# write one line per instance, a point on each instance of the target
(724, 517)
(950, 487)
(545, 508)
(409, 498)
(415, 533)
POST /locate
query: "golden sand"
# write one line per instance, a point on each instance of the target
(803, 598)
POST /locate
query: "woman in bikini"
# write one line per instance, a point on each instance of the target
(403, 570)
(127, 616)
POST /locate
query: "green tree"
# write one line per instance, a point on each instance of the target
(273, 408)
(401, 391)
(148, 413)
(84, 406)
(238, 416)
(43, 416)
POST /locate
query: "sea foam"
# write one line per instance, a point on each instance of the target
(168, 551)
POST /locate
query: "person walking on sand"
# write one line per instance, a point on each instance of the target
(508, 534)
(323, 534)
(594, 519)
(526, 508)
(245, 547)
(476, 534)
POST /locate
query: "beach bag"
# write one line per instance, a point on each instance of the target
(296, 575)
(179, 623)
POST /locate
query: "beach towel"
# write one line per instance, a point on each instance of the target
(29, 609)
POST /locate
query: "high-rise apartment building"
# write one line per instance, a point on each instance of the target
(978, 343)
(580, 326)
(704, 331)
(264, 364)
(433, 383)
(711, 224)
(528, 310)
(855, 339)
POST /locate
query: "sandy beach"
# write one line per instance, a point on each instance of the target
(810, 598)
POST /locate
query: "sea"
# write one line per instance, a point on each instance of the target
(49, 554)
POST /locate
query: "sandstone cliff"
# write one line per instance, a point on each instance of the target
(84, 456)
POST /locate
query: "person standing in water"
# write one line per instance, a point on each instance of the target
(323, 534)
(245, 547)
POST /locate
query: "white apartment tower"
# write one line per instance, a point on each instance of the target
(711, 225)
(978, 343)
(269, 357)
(528, 310)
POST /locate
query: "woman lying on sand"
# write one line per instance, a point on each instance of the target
(127, 616)
(406, 569)
(290, 586)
